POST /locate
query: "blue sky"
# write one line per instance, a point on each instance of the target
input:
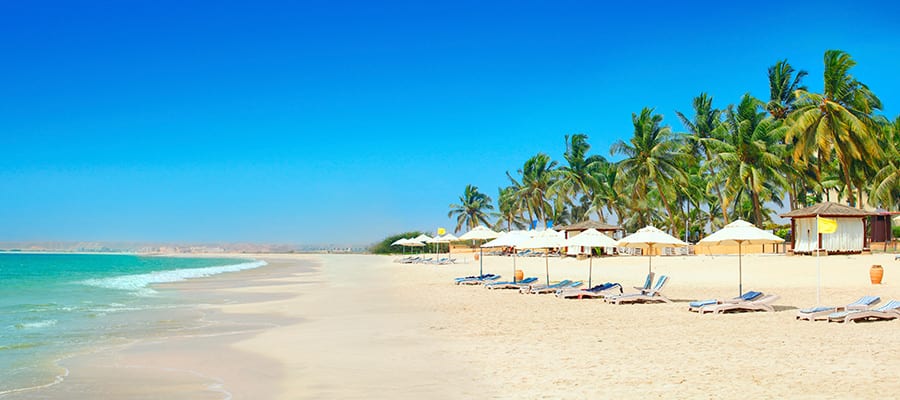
(329, 121)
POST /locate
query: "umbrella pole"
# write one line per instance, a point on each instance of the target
(740, 270)
(481, 261)
(515, 255)
(547, 266)
(650, 258)
(590, 268)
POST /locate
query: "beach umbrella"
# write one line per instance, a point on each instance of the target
(547, 239)
(442, 239)
(480, 233)
(591, 238)
(402, 243)
(449, 238)
(510, 239)
(648, 238)
(740, 232)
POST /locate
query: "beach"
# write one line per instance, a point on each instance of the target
(361, 326)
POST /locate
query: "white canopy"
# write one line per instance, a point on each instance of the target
(449, 238)
(547, 239)
(399, 242)
(422, 238)
(739, 232)
(591, 238)
(649, 237)
(413, 243)
(509, 239)
(479, 233)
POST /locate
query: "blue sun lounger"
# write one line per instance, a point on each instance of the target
(822, 313)
(695, 306)
(511, 285)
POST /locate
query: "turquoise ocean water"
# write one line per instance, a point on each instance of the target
(54, 305)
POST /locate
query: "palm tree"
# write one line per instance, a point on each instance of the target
(885, 190)
(509, 213)
(750, 156)
(471, 210)
(651, 161)
(537, 177)
(837, 121)
(783, 85)
(701, 131)
(575, 178)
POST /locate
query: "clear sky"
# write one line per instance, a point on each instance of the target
(334, 121)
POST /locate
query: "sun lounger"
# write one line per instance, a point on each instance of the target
(889, 311)
(476, 279)
(645, 296)
(822, 313)
(647, 283)
(596, 292)
(763, 303)
(554, 288)
(511, 285)
(695, 306)
(540, 287)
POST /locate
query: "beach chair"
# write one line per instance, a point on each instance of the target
(554, 288)
(763, 303)
(695, 306)
(476, 278)
(537, 287)
(511, 285)
(479, 281)
(645, 296)
(821, 313)
(647, 283)
(889, 311)
(596, 292)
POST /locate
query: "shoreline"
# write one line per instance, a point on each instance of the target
(366, 327)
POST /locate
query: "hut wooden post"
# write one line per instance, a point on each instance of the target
(865, 231)
(793, 235)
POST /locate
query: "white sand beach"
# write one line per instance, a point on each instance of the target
(366, 327)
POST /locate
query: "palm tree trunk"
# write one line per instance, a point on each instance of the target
(757, 210)
(718, 189)
(666, 205)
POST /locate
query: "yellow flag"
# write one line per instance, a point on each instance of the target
(441, 231)
(825, 225)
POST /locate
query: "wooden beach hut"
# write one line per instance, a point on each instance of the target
(849, 238)
(574, 229)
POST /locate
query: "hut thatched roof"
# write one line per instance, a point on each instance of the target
(827, 209)
(589, 224)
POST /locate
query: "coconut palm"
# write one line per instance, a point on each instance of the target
(783, 85)
(885, 190)
(750, 155)
(839, 121)
(537, 177)
(702, 129)
(472, 208)
(575, 178)
(651, 161)
(509, 213)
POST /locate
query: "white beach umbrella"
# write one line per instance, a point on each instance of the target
(547, 239)
(480, 233)
(648, 238)
(510, 239)
(591, 238)
(740, 232)
(448, 237)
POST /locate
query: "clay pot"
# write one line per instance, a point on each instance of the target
(876, 273)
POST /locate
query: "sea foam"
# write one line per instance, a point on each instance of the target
(139, 282)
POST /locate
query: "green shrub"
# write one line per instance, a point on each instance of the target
(895, 231)
(384, 246)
